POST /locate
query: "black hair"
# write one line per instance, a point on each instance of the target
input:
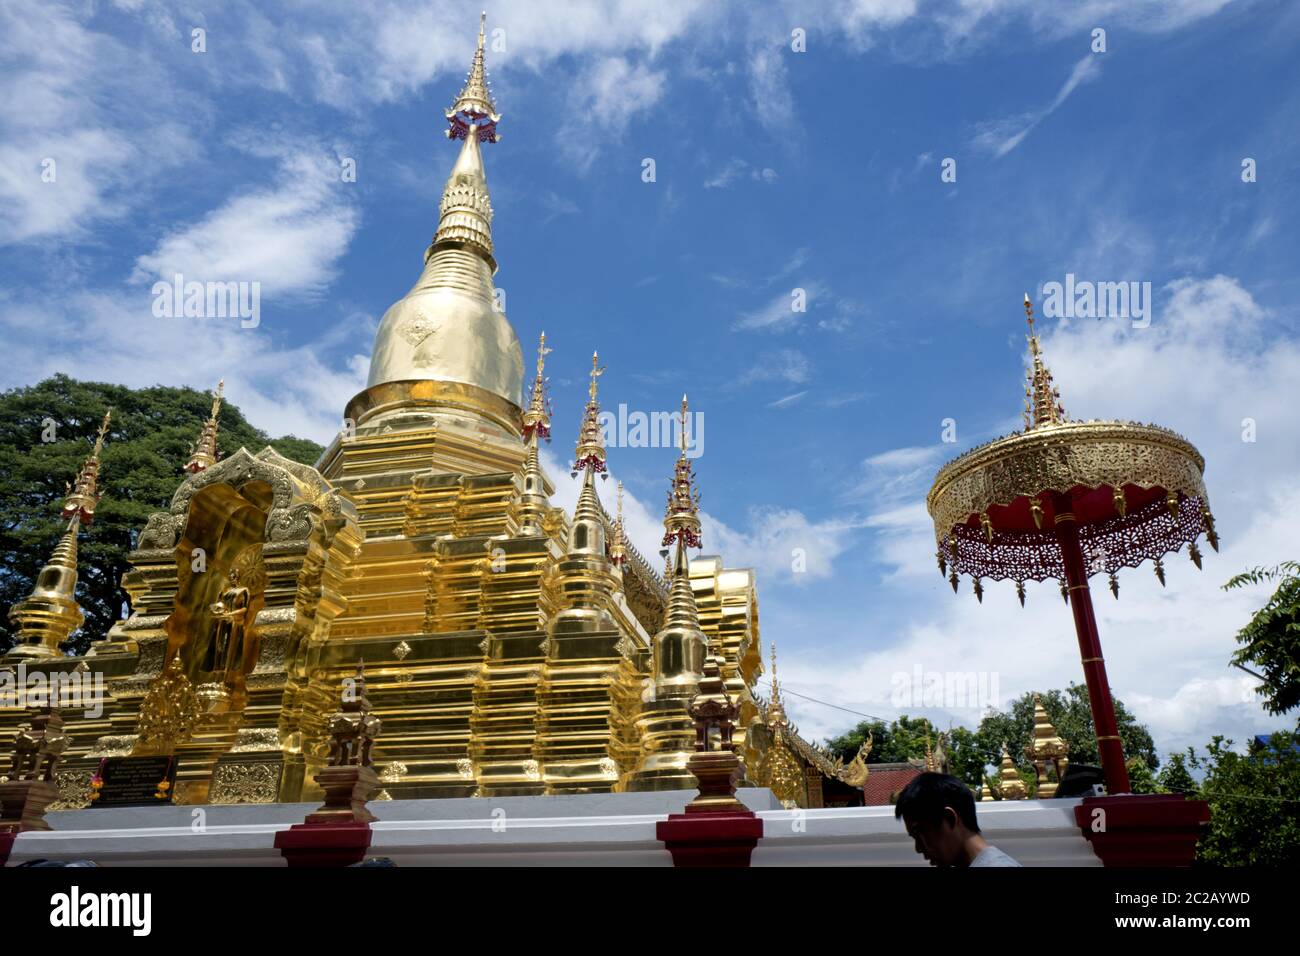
(929, 794)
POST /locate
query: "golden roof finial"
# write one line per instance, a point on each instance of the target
(474, 102)
(205, 452)
(1042, 398)
(776, 708)
(1046, 748)
(1010, 785)
(682, 514)
(590, 451)
(84, 493)
(537, 418)
(618, 549)
(929, 754)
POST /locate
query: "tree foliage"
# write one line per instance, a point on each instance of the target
(152, 433)
(1254, 802)
(1270, 642)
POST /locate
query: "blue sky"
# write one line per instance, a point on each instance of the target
(775, 170)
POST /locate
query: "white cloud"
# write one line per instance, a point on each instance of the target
(287, 236)
(784, 365)
(72, 96)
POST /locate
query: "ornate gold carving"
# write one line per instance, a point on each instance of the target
(465, 767)
(252, 782)
(256, 740)
(394, 772)
(115, 745)
(402, 651)
(74, 790)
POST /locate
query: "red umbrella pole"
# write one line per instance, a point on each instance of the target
(1109, 745)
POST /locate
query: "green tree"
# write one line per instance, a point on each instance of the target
(1174, 777)
(1270, 642)
(1254, 802)
(895, 742)
(151, 436)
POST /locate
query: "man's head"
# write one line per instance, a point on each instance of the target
(939, 813)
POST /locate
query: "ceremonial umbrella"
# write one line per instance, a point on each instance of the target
(1068, 499)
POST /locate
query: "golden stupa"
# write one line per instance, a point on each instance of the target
(509, 648)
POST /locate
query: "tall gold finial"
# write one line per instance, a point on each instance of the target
(618, 549)
(537, 419)
(1042, 398)
(1010, 786)
(84, 493)
(682, 515)
(776, 684)
(590, 451)
(205, 452)
(930, 765)
(474, 103)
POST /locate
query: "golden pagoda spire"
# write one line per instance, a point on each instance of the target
(205, 452)
(84, 493)
(47, 617)
(682, 515)
(588, 532)
(451, 329)
(474, 103)
(1042, 398)
(589, 454)
(930, 765)
(533, 500)
(776, 709)
(618, 549)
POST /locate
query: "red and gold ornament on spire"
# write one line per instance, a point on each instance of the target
(590, 452)
(474, 108)
(682, 516)
(537, 417)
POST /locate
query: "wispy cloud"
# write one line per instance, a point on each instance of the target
(788, 400)
(1001, 136)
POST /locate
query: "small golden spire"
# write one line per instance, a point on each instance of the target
(533, 500)
(929, 755)
(590, 451)
(474, 103)
(1042, 398)
(84, 494)
(618, 550)
(682, 514)
(776, 709)
(537, 419)
(205, 452)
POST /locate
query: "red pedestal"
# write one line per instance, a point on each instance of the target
(725, 838)
(1159, 829)
(324, 844)
(7, 838)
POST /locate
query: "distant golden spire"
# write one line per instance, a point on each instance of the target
(776, 709)
(1042, 398)
(84, 494)
(930, 765)
(590, 451)
(537, 418)
(474, 103)
(205, 452)
(618, 549)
